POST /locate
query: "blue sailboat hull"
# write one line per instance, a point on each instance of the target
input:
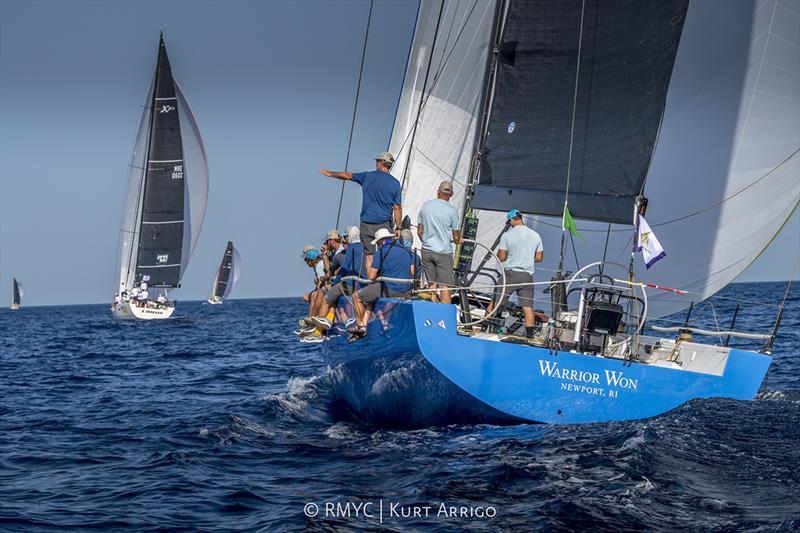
(414, 369)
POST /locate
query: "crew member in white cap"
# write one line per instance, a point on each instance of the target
(437, 226)
(380, 200)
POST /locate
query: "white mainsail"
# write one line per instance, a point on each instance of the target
(724, 176)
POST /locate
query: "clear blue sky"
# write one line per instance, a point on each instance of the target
(272, 86)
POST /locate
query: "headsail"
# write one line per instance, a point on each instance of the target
(731, 125)
(228, 273)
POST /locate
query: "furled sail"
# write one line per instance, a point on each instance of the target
(228, 273)
(723, 175)
(627, 50)
(167, 188)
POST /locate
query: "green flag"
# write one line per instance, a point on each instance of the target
(568, 223)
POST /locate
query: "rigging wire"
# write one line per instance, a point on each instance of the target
(572, 135)
(355, 110)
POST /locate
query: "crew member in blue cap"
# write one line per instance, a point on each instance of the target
(519, 250)
(313, 258)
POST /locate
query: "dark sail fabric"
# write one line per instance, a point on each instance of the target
(17, 300)
(627, 53)
(161, 233)
(224, 272)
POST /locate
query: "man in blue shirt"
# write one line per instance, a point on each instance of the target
(351, 264)
(392, 260)
(519, 250)
(381, 202)
(437, 225)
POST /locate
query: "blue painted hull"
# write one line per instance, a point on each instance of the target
(413, 369)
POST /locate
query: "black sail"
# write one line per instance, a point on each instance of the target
(161, 231)
(224, 272)
(627, 52)
(17, 300)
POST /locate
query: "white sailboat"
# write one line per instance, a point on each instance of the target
(16, 295)
(165, 202)
(227, 275)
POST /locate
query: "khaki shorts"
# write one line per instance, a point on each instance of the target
(438, 268)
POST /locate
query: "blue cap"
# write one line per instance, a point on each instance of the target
(310, 255)
(514, 213)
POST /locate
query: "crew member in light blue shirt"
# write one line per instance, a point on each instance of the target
(438, 228)
(381, 200)
(519, 250)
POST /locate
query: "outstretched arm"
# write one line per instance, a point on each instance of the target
(398, 216)
(338, 175)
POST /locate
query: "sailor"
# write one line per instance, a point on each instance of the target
(134, 294)
(332, 253)
(161, 299)
(438, 225)
(313, 258)
(519, 250)
(380, 200)
(392, 260)
(352, 264)
(144, 294)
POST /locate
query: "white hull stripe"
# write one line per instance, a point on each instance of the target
(172, 98)
(165, 222)
(160, 266)
(165, 161)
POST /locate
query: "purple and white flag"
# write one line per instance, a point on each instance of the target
(647, 243)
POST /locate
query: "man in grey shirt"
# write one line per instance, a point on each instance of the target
(438, 224)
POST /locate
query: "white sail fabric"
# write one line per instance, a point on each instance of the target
(196, 177)
(724, 176)
(443, 143)
(131, 210)
(236, 271)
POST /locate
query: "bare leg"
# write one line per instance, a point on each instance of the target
(444, 296)
(358, 309)
(529, 316)
(435, 295)
(368, 261)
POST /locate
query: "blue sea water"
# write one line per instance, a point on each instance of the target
(219, 420)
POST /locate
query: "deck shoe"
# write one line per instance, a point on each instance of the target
(321, 322)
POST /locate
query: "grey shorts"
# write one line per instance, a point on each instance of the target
(368, 231)
(524, 294)
(370, 294)
(335, 292)
(438, 268)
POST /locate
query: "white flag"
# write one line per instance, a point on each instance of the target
(647, 243)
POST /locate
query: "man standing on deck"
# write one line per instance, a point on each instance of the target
(519, 250)
(437, 225)
(380, 200)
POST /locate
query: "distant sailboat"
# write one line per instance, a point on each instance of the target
(227, 275)
(165, 202)
(16, 298)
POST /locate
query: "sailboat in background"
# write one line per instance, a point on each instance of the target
(165, 202)
(586, 105)
(227, 275)
(16, 295)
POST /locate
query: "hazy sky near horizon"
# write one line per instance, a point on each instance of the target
(272, 86)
